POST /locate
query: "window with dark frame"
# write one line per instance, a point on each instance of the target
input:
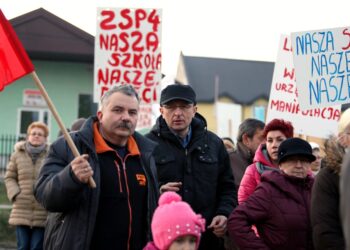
(86, 106)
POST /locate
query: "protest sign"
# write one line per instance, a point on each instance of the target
(322, 66)
(128, 51)
(283, 102)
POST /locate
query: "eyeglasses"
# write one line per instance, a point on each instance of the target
(37, 134)
(173, 107)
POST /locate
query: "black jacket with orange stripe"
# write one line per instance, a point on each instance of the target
(74, 206)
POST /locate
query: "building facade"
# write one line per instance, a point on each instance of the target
(63, 56)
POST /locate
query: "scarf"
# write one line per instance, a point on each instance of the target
(261, 167)
(33, 151)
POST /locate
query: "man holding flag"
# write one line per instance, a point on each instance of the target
(116, 214)
(117, 211)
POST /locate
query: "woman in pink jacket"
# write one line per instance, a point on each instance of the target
(266, 156)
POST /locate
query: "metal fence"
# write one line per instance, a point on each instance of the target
(7, 143)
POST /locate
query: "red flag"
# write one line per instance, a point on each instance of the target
(14, 61)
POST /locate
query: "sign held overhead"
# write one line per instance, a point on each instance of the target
(322, 66)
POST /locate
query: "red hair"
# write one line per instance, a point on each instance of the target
(281, 125)
(40, 125)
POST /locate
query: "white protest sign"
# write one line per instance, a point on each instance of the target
(128, 51)
(322, 66)
(283, 102)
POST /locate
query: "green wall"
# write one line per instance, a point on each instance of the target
(64, 81)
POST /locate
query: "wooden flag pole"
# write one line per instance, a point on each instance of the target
(52, 108)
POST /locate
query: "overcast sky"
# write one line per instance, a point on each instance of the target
(225, 29)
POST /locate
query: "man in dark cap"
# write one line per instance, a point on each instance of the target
(193, 161)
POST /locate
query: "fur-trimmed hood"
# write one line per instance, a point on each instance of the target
(334, 154)
(21, 146)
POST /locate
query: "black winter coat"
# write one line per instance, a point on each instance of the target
(203, 167)
(325, 210)
(73, 205)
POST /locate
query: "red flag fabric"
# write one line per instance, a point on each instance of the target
(14, 61)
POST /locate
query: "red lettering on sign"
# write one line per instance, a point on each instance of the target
(103, 90)
(137, 63)
(137, 81)
(136, 44)
(123, 42)
(133, 54)
(149, 78)
(152, 41)
(327, 113)
(114, 61)
(126, 59)
(125, 14)
(105, 23)
(346, 32)
(286, 46)
(140, 15)
(124, 38)
(145, 95)
(288, 74)
(154, 19)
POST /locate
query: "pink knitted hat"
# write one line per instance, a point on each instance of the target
(174, 218)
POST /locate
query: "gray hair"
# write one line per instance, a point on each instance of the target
(249, 127)
(125, 89)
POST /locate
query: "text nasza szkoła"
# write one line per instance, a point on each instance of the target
(330, 68)
(134, 54)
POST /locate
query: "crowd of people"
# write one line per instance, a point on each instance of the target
(179, 187)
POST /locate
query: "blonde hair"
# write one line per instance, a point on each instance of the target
(38, 125)
(344, 121)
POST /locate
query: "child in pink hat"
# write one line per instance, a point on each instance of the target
(175, 225)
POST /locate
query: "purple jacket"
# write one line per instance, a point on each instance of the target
(280, 209)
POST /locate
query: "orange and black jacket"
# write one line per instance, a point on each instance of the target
(77, 210)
